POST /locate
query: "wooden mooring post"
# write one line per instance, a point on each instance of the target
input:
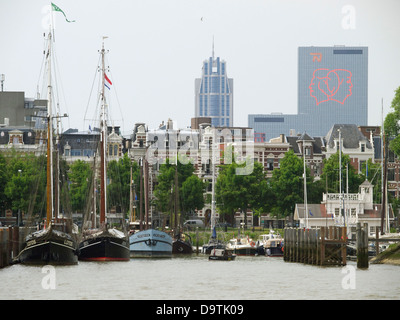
(4, 247)
(11, 241)
(362, 246)
(316, 246)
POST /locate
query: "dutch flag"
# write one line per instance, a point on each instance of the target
(107, 82)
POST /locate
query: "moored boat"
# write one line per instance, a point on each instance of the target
(274, 247)
(150, 243)
(49, 246)
(103, 243)
(221, 255)
(213, 243)
(55, 243)
(182, 244)
(242, 246)
(264, 243)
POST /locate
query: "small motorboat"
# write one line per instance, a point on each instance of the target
(221, 254)
(274, 248)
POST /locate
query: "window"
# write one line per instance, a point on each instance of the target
(76, 152)
(362, 164)
(391, 174)
(270, 164)
(362, 147)
(347, 51)
(269, 119)
(87, 153)
(392, 156)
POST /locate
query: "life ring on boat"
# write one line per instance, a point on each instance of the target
(252, 244)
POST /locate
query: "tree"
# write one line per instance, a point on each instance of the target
(190, 187)
(372, 172)
(391, 124)
(240, 192)
(331, 174)
(192, 193)
(118, 190)
(80, 177)
(287, 184)
(164, 187)
(26, 179)
(3, 180)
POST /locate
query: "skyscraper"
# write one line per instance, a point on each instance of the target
(332, 89)
(214, 93)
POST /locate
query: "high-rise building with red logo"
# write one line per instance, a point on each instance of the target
(332, 89)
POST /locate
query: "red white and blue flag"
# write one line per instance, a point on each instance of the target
(107, 82)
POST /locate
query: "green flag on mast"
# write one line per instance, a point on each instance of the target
(56, 8)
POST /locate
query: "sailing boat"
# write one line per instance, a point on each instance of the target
(103, 243)
(55, 243)
(213, 243)
(182, 243)
(149, 243)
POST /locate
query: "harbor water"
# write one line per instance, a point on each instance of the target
(194, 277)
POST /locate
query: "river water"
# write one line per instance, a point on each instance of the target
(195, 278)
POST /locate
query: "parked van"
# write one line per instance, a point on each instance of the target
(192, 224)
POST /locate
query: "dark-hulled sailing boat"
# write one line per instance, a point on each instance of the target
(55, 243)
(103, 243)
(182, 243)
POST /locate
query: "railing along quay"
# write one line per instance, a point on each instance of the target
(324, 246)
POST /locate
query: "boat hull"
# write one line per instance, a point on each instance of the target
(245, 251)
(150, 243)
(223, 258)
(212, 245)
(274, 252)
(104, 247)
(49, 247)
(180, 246)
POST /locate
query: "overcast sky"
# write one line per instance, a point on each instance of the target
(157, 47)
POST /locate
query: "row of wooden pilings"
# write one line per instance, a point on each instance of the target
(324, 246)
(11, 242)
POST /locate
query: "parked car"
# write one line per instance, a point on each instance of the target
(192, 224)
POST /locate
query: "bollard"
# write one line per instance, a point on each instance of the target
(362, 246)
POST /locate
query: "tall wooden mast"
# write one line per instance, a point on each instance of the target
(49, 171)
(103, 170)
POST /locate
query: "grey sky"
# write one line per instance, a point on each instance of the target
(157, 48)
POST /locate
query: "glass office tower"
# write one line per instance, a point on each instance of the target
(214, 93)
(332, 89)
